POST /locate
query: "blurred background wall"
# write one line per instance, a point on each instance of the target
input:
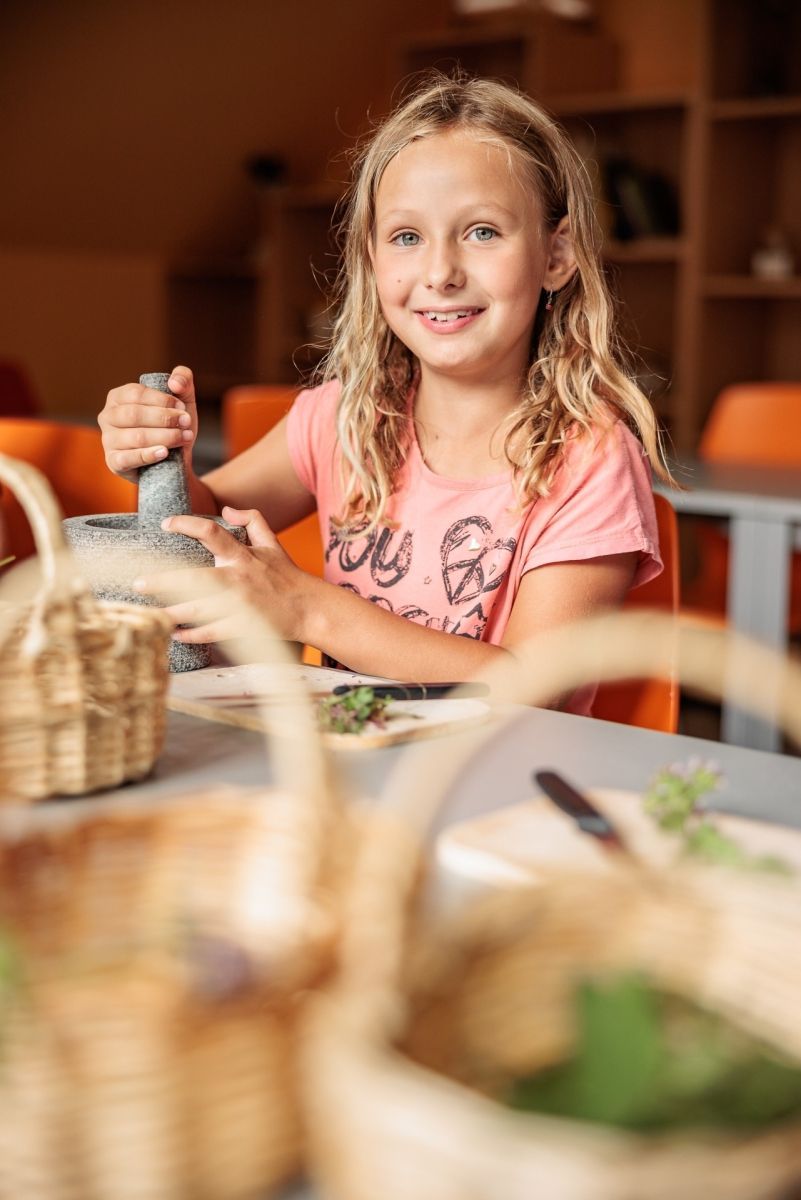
(124, 128)
(133, 236)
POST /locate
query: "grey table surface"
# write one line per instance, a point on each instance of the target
(199, 754)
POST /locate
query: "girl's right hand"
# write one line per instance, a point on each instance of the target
(139, 425)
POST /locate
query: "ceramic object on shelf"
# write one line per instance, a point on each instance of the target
(114, 549)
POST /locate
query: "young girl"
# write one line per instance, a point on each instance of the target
(476, 454)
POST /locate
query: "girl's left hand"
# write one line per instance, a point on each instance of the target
(262, 572)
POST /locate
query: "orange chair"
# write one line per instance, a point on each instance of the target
(758, 424)
(71, 456)
(649, 703)
(248, 412)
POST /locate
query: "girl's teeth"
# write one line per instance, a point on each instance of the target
(451, 316)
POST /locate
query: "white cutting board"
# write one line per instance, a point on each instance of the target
(512, 845)
(231, 695)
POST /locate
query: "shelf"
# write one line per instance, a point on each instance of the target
(500, 29)
(756, 108)
(645, 250)
(746, 287)
(592, 104)
(214, 267)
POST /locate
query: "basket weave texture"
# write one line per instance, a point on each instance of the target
(82, 684)
(150, 1000)
(431, 1018)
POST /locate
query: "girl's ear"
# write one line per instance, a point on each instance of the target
(561, 264)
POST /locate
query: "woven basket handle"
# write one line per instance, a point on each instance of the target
(41, 507)
(303, 800)
(615, 646)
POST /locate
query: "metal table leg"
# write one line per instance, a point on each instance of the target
(758, 600)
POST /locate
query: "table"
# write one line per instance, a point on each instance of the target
(762, 504)
(199, 754)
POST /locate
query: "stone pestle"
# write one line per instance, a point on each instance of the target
(163, 486)
(114, 549)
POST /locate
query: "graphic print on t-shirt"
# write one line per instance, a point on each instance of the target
(470, 559)
(386, 568)
(473, 563)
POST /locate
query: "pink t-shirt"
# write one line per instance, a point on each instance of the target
(458, 548)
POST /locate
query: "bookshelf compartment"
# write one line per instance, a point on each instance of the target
(211, 325)
(749, 339)
(635, 158)
(499, 57)
(299, 262)
(646, 298)
(754, 186)
(755, 48)
(543, 55)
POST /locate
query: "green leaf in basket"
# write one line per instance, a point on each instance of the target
(619, 1055)
(650, 1062)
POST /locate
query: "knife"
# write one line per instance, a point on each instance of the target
(389, 691)
(588, 818)
(415, 691)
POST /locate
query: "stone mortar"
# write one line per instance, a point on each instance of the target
(114, 549)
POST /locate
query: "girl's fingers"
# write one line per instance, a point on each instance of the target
(139, 425)
(214, 631)
(182, 384)
(123, 462)
(250, 519)
(195, 582)
(217, 540)
(148, 416)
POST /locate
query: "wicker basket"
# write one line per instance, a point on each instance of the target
(430, 1019)
(82, 684)
(154, 958)
(150, 1008)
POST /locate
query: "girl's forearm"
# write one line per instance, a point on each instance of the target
(364, 637)
(204, 501)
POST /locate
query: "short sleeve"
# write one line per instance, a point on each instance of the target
(311, 433)
(601, 503)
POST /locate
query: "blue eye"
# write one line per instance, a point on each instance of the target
(407, 238)
(483, 233)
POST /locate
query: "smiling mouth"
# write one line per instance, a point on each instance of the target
(441, 317)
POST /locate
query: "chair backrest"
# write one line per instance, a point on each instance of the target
(754, 423)
(649, 703)
(250, 411)
(71, 456)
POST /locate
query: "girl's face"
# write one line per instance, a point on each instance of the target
(460, 257)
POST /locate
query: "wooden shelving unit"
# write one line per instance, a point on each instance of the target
(297, 262)
(750, 106)
(210, 305)
(728, 155)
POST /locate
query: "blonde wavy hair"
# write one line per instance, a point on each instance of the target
(578, 368)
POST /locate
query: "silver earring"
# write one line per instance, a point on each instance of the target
(549, 301)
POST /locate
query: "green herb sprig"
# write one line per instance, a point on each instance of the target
(675, 799)
(351, 711)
